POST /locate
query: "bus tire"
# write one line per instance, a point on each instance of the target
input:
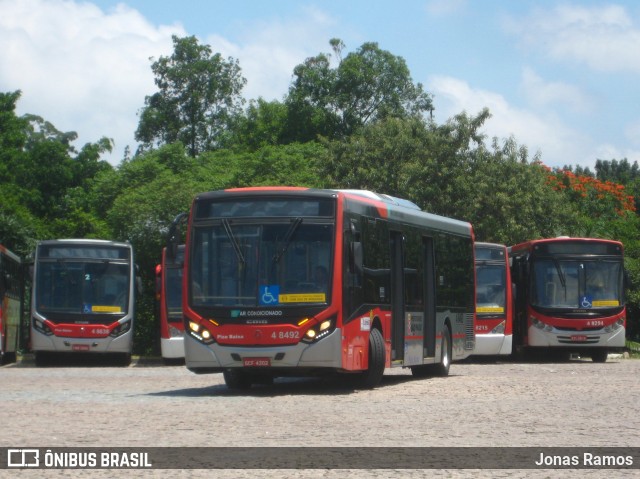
(442, 368)
(373, 375)
(8, 358)
(124, 360)
(599, 355)
(236, 379)
(42, 358)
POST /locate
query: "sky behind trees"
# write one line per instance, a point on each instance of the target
(559, 76)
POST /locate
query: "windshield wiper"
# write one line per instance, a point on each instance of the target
(563, 282)
(287, 239)
(234, 242)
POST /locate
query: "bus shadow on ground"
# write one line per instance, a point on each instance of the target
(534, 358)
(287, 386)
(79, 360)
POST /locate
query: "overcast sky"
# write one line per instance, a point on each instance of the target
(562, 77)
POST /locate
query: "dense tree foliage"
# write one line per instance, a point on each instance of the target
(198, 95)
(366, 86)
(348, 121)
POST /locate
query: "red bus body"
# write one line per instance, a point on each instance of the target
(569, 296)
(11, 302)
(169, 304)
(400, 289)
(494, 300)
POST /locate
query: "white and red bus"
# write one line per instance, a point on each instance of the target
(569, 296)
(83, 298)
(11, 300)
(494, 301)
(297, 281)
(169, 304)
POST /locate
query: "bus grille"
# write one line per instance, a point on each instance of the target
(469, 332)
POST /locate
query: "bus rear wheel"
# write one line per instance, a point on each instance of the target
(442, 368)
(373, 375)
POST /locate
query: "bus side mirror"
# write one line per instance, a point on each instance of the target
(355, 257)
(5, 284)
(626, 279)
(355, 249)
(138, 280)
(173, 239)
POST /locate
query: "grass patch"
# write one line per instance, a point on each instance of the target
(634, 349)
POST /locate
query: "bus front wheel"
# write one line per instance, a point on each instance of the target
(599, 356)
(236, 379)
(373, 375)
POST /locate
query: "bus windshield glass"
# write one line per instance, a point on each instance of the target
(490, 289)
(576, 284)
(276, 263)
(66, 282)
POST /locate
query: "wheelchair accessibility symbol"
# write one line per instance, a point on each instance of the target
(269, 294)
(585, 302)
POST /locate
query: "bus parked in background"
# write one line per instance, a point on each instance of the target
(296, 281)
(11, 299)
(494, 302)
(569, 296)
(169, 304)
(83, 298)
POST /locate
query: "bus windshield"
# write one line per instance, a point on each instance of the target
(276, 263)
(490, 289)
(82, 287)
(576, 284)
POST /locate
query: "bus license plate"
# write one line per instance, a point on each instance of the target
(578, 338)
(256, 362)
(80, 347)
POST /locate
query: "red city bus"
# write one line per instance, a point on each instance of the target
(569, 296)
(297, 281)
(11, 302)
(83, 299)
(494, 302)
(169, 304)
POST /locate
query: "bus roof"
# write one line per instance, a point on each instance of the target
(528, 245)
(483, 244)
(76, 241)
(391, 207)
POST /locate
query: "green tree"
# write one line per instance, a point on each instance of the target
(198, 95)
(368, 85)
(264, 123)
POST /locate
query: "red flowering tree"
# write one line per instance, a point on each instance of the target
(596, 199)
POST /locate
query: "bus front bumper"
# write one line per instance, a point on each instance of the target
(172, 348)
(326, 353)
(576, 339)
(493, 344)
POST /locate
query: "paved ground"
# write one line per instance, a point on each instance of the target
(576, 403)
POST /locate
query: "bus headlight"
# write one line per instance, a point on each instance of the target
(615, 326)
(540, 325)
(202, 334)
(499, 329)
(41, 327)
(319, 331)
(175, 332)
(120, 329)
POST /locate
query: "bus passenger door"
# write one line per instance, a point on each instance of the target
(396, 241)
